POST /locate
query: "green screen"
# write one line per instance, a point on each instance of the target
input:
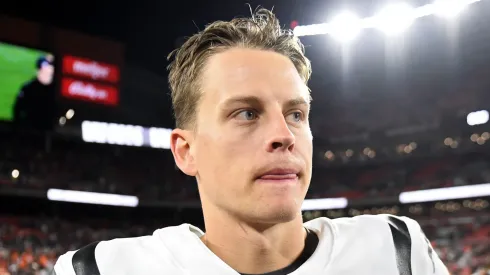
(17, 66)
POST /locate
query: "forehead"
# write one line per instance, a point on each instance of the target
(46, 66)
(254, 72)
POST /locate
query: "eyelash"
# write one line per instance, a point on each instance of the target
(302, 115)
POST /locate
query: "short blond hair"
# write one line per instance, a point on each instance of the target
(261, 31)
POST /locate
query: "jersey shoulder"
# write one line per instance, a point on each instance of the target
(369, 224)
(138, 255)
(400, 224)
(375, 229)
(411, 248)
(93, 257)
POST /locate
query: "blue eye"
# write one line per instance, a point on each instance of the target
(296, 116)
(246, 115)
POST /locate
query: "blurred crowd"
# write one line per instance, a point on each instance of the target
(42, 164)
(425, 93)
(368, 114)
(151, 174)
(462, 243)
(393, 178)
(32, 245)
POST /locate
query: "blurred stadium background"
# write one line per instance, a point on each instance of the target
(400, 119)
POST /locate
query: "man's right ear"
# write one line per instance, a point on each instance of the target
(180, 144)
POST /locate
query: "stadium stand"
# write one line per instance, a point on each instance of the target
(30, 245)
(464, 245)
(393, 178)
(98, 168)
(91, 167)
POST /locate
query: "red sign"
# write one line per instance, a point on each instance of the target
(88, 91)
(86, 68)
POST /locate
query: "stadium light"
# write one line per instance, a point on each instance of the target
(129, 135)
(394, 18)
(447, 193)
(92, 198)
(69, 114)
(450, 8)
(15, 173)
(477, 118)
(324, 204)
(62, 120)
(345, 27)
(315, 29)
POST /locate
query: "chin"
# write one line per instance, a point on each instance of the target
(278, 213)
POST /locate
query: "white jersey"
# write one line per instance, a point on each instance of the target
(368, 244)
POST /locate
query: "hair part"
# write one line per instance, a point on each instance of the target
(261, 31)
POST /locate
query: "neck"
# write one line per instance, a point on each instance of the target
(254, 248)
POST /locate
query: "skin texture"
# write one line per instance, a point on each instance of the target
(252, 118)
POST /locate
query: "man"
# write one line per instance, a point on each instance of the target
(241, 106)
(34, 105)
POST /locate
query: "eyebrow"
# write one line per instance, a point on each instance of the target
(253, 100)
(297, 102)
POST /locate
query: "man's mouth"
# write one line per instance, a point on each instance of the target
(280, 175)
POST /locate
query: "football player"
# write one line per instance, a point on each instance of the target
(241, 102)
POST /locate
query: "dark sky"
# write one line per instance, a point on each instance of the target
(150, 27)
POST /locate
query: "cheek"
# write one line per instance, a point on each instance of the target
(226, 160)
(304, 141)
(304, 147)
(222, 171)
(217, 157)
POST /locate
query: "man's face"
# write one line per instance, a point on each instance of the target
(253, 145)
(45, 74)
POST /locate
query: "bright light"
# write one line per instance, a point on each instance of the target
(62, 120)
(70, 113)
(311, 30)
(395, 18)
(321, 204)
(446, 193)
(345, 27)
(450, 8)
(92, 198)
(477, 118)
(129, 135)
(15, 173)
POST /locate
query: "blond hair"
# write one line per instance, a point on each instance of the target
(261, 31)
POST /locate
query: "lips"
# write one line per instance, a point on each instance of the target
(280, 174)
(279, 177)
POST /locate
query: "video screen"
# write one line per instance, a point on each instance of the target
(27, 93)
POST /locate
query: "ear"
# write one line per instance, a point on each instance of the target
(180, 144)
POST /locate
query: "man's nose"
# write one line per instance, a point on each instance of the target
(280, 136)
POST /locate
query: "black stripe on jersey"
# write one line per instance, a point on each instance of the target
(83, 261)
(403, 245)
(430, 251)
